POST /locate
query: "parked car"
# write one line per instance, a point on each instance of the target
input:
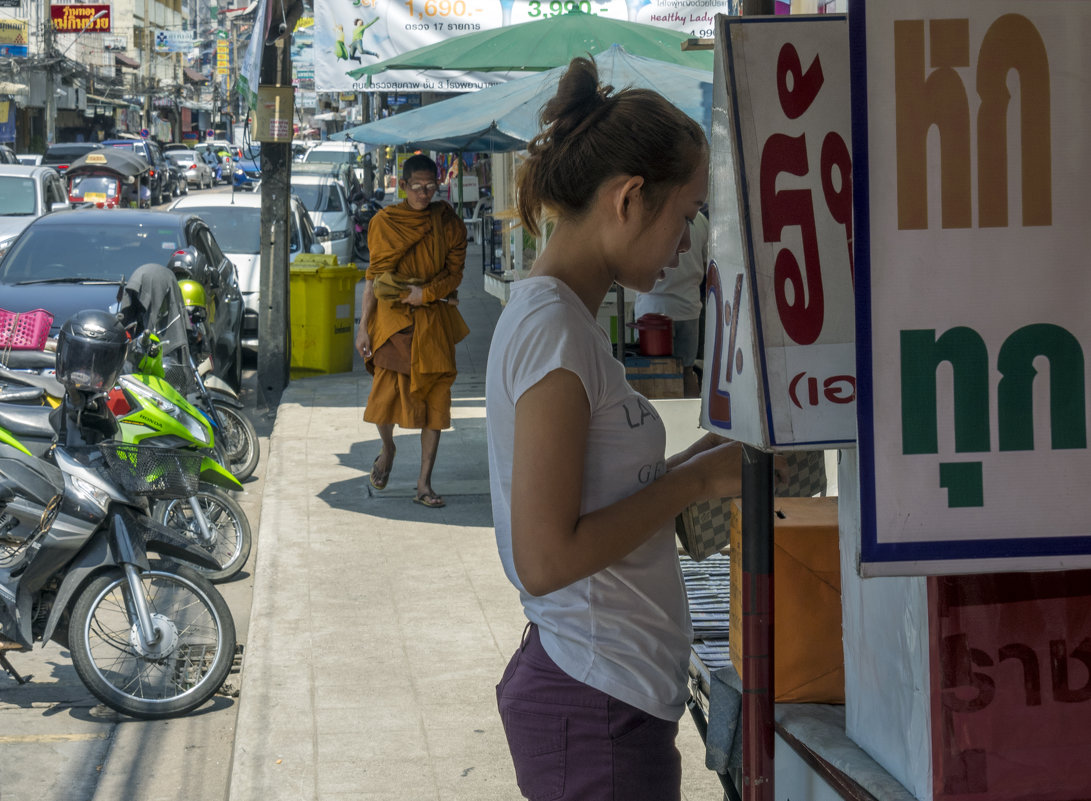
(247, 170)
(235, 220)
(193, 166)
(7, 155)
(329, 207)
(175, 147)
(338, 153)
(30, 159)
(61, 154)
(73, 260)
(25, 194)
(161, 182)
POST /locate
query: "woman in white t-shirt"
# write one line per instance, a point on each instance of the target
(583, 497)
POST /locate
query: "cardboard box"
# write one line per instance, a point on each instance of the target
(809, 662)
(655, 376)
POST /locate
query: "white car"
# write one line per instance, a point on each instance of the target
(235, 221)
(27, 192)
(329, 207)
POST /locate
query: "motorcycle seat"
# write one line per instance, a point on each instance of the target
(23, 420)
(20, 394)
(28, 359)
(47, 382)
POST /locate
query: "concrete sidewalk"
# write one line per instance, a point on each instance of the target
(380, 627)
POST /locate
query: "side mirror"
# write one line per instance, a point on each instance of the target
(59, 206)
(317, 249)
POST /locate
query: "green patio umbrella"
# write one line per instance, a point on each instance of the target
(544, 44)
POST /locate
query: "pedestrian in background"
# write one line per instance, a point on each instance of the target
(410, 323)
(678, 296)
(583, 497)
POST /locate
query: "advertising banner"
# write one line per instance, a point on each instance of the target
(74, 19)
(972, 326)
(7, 121)
(13, 37)
(779, 314)
(354, 33)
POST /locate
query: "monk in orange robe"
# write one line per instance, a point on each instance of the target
(410, 323)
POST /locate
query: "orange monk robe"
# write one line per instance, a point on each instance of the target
(401, 239)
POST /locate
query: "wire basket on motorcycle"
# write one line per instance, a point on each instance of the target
(157, 472)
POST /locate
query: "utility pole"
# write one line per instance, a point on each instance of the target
(274, 343)
(50, 92)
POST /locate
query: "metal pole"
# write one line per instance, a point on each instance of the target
(757, 625)
(274, 316)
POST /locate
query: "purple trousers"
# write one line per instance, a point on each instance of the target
(570, 741)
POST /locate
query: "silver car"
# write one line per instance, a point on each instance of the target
(194, 167)
(27, 192)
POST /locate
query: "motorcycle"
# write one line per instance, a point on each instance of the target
(149, 639)
(236, 437)
(365, 209)
(150, 411)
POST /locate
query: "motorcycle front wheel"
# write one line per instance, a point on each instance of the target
(230, 528)
(181, 670)
(239, 440)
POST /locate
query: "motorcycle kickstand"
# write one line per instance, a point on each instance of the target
(7, 666)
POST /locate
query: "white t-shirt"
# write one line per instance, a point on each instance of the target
(625, 630)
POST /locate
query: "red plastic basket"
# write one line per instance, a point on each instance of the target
(24, 330)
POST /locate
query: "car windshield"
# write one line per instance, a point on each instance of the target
(331, 156)
(87, 250)
(181, 157)
(237, 229)
(17, 197)
(318, 197)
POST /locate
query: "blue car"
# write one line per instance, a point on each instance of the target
(247, 172)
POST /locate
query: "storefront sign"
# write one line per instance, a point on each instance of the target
(779, 339)
(971, 247)
(74, 19)
(13, 38)
(1010, 655)
(173, 41)
(391, 28)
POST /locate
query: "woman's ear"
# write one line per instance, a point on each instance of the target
(627, 195)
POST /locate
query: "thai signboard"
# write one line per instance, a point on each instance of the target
(13, 37)
(353, 33)
(80, 18)
(779, 339)
(971, 240)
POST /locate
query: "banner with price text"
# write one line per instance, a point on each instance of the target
(355, 33)
(779, 332)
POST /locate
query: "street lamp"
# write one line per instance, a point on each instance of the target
(50, 92)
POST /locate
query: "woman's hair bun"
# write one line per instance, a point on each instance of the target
(579, 96)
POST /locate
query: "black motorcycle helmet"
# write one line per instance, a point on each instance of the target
(183, 263)
(91, 350)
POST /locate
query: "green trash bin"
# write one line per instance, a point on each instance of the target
(323, 298)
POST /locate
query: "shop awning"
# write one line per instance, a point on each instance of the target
(126, 61)
(12, 88)
(193, 76)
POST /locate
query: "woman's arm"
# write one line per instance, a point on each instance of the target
(552, 544)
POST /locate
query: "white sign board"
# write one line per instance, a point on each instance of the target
(388, 28)
(779, 339)
(973, 187)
